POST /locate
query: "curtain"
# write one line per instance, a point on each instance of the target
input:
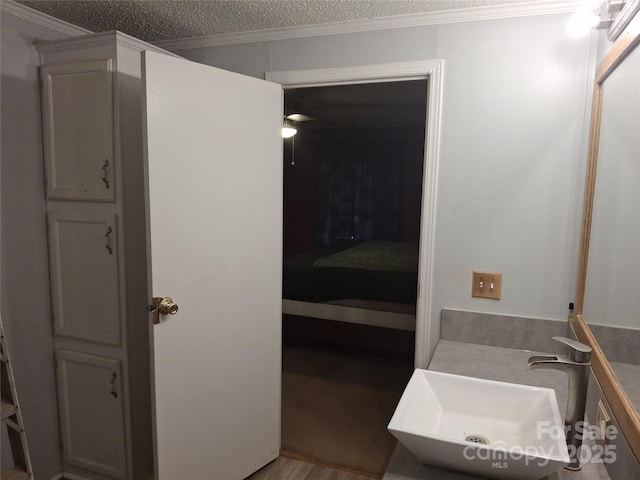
(358, 192)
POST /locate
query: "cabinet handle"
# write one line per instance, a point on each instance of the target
(105, 178)
(108, 237)
(113, 385)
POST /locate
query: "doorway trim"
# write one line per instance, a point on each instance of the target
(433, 70)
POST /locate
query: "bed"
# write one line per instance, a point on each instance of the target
(371, 283)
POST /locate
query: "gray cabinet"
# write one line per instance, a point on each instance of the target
(92, 127)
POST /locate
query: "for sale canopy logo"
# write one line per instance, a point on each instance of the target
(595, 448)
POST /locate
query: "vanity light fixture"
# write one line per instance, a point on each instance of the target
(596, 14)
(609, 10)
(582, 22)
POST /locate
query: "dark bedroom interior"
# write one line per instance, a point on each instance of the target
(352, 205)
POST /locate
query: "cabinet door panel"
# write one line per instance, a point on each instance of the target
(91, 412)
(84, 275)
(77, 103)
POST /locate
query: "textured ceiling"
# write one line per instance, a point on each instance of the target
(153, 20)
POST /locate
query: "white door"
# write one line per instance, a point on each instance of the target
(214, 156)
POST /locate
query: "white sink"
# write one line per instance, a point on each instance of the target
(482, 427)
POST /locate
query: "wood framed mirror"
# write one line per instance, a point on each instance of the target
(616, 83)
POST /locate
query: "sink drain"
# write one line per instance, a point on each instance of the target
(475, 438)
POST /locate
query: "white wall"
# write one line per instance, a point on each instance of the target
(25, 283)
(510, 186)
(513, 160)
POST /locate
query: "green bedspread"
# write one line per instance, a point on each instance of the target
(374, 255)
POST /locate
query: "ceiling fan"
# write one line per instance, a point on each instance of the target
(289, 129)
(290, 123)
(298, 117)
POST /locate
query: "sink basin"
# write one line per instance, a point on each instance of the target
(482, 427)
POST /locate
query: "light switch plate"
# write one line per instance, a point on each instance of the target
(487, 285)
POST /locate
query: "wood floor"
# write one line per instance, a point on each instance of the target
(284, 468)
(325, 414)
(336, 405)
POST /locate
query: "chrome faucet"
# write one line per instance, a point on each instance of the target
(576, 365)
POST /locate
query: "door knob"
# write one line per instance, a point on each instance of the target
(163, 306)
(167, 307)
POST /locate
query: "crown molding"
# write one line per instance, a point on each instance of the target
(523, 9)
(94, 40)
(527, 8)
(18, 10)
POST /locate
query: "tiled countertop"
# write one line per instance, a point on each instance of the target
(491, 363)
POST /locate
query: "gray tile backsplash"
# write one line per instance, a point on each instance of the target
(619, 344)
(502, 330)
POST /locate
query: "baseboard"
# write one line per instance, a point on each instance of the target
(341, 313)
(73, 476)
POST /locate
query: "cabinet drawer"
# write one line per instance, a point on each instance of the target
(77, 108)
(85, 279)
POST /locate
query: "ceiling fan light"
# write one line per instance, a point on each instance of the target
(288, 130)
